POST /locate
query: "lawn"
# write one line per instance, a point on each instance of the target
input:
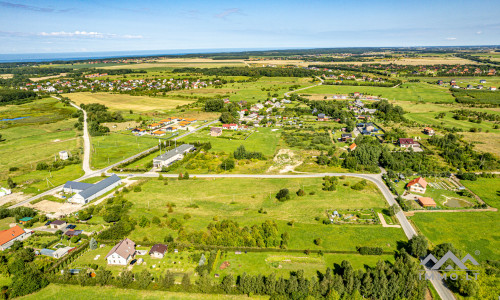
(112, 148)
(76, 292)
(126, 102)
(407, 92)
(467, 231)
(488, 189)
(262, 140)
(240, 199)
(5, 222)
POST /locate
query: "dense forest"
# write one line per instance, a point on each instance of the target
(252, 72)
(9, 96)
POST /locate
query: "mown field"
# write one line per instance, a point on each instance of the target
(488, 189)
(126, 102)
(467, 231)
(76, 292)
(261, 140)
(240, 199)
(112, 148)
(406, 92)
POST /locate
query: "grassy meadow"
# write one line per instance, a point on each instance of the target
(240, 200)
(488, 189)
(467, 231)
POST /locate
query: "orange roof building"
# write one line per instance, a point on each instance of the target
(352, 147)
(426, 202)
(9, 236)
(417, 185)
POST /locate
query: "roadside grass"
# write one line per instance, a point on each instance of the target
(125, 102)
(407, 92)
(114, 147)
(488, 189)
(262, 140)
(36, 182)
(467, 231)
(54, 291)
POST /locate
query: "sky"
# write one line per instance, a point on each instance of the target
(123, 25)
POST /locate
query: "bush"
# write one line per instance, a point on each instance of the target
(42, 166)
(283, 195)
(301, 193)
(318, 241)
(12, 169)
(370, 250)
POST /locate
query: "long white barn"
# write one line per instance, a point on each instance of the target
(96, 190)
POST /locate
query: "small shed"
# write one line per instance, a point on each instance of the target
(25, 220)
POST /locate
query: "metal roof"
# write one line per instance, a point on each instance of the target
(101, 185)
(77, 185)
(168, 155)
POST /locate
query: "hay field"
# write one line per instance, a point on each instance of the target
(127, 102)
(36, 79)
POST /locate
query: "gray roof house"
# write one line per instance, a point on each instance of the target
(171, 156)
(96, 190)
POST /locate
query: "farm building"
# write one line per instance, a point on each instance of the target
(215, 131)
(75, 187)
(158, 251)
(426, 202)
(96, 190)
(171, 156)
(9, 236)
(417, 185)
(122, 253)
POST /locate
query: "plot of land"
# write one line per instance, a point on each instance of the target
(467, 231)
(488, 189)
(126, 102)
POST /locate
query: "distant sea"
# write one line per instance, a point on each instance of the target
(45, 57)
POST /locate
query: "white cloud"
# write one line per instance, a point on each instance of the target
(88, 34)
(451, 38)
(479, 32)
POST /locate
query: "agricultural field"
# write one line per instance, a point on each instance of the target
(476, 233)
(237, 199)
(125, 102)
(406, 92)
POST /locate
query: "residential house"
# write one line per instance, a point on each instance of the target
(215, 131)
(352, 147)
(96, 190)
(9, 236)
(482, 81)
(154, 126)
(407, 143)
(63, 155)
(492, 88)
(426, 202)
(417, 185)
(57, 224)
(139, 131)
(122, 253)
(158, 133)
(440, 82)
(429, 131)
(158, 251)
(172, 156)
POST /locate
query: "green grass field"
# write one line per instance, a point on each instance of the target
(76, 292)
(407, 92)
(240, 199)
(488, 189)
(114, 147)
(467, 231)
(262, 140)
